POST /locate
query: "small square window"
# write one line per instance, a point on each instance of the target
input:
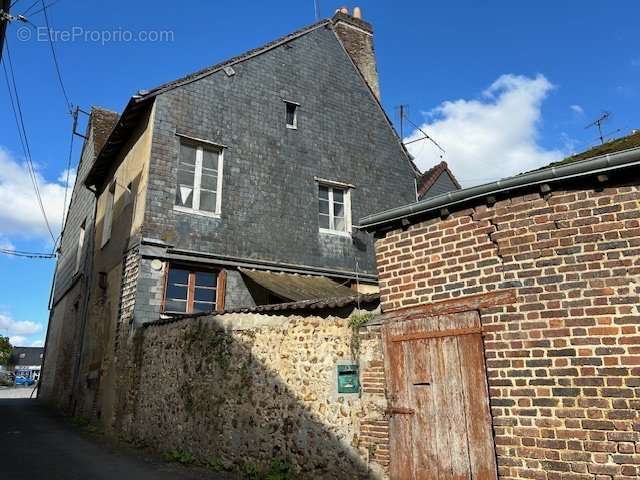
(193, 291)
(292, 115)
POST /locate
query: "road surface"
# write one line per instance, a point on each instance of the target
(37, 444)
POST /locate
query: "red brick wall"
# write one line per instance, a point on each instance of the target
(563, 361)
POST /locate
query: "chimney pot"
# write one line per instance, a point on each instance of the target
(357, 13)
(344, 10)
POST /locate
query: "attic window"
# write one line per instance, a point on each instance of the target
(292, 114)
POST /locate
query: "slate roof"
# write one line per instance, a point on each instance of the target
(295, 287)
(368, 301)
(32, 356)
(617, 145)
(429, 177)
(144, 98)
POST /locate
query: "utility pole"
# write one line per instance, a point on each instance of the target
(5, 18)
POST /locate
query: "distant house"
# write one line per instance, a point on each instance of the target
(27, 361)
(437, 180)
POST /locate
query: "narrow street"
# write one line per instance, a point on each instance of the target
(37, 444)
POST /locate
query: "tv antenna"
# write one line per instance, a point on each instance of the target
(403, 116)
(598, 123)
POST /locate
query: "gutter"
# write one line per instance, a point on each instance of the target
(600, 164)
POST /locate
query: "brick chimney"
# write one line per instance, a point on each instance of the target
(357, 37)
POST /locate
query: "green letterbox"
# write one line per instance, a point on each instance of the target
(348, 381)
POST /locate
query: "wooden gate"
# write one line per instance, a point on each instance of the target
(440, 427)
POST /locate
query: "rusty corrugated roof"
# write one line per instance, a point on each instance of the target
(294, 287)
(366, 301)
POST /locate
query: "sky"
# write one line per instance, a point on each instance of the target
(502, 86)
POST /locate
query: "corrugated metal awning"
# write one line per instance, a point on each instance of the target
(295, 287)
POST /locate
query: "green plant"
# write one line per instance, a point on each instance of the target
(216, 464)
(180, 456)
(278, 470)
(5, 350)
(251, 471)
(359, 319)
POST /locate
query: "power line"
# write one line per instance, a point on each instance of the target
(22, 254)
(29, 9)
(24, 140)
(55, 58)
(43, 9)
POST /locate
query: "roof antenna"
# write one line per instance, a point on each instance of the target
(317, 6)
(404, 116)
(598, 123)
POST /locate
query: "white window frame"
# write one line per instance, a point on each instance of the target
(107, 221)
(296, 107)
(346, 196)
(197, 180)
(81, 236)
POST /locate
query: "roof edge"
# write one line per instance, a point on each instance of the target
(602, 163)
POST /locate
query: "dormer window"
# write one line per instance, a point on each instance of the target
(292, 114)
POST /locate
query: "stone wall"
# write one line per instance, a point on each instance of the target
(563, 361)
(243, 390)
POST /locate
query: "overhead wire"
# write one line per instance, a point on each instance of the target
(55, 58)
(24, 139)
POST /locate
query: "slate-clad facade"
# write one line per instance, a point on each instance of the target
(278, 173)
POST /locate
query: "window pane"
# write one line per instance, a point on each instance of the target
(177, 275)
(339, 224)
(209, 182)
(176, 292)
(323, 193)
(209, 160)
(203, 307)
(187, 155)
(184, 190)
(291, 114)
(324, 221)
(338, 195)
(205, 295)
(206, 279)
(338, 210)
(207, 201)
(175, 306)
(324, 207)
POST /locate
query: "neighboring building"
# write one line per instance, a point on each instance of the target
(234, 187)
(511, 324)
(74, 272)
(436, 181)
(27, 361)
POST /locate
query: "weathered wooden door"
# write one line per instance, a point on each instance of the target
(440, 419)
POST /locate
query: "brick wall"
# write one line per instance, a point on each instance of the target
(563, 361)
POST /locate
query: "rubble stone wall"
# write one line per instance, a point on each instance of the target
(240, 391)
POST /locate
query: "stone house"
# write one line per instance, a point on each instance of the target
(236, 186)
(511, 326)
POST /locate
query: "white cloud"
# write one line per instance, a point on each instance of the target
(18, 341)
(577, 108)
(20, 214)
(9, 326)
(37, 343)
(489, 138)
(6, 244)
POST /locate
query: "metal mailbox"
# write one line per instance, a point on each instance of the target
(348, 379)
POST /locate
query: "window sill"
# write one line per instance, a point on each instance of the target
(335, 232)
(292, 127)
(195, 212)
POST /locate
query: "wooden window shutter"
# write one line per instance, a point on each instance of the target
(221, 289)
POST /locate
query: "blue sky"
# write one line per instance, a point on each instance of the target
(504, 86)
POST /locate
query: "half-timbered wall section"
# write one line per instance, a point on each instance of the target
(563, 356)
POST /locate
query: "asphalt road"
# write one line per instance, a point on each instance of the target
(36, 444)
